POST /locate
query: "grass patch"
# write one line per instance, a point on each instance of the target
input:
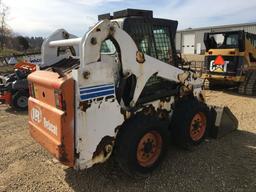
(6, 69)
(8, 52)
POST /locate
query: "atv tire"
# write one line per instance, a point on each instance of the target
(20, 100)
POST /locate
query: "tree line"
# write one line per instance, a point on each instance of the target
(22, 44)
(12, 41)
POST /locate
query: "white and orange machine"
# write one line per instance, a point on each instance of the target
(114, 92)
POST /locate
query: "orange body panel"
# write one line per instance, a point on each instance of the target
(25, 65)
(6, 97)
(53, 128)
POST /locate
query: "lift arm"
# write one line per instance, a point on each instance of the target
(132, 60)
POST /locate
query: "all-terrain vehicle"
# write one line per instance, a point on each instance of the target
(14, 86)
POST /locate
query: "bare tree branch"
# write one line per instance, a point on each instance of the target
(3, 29)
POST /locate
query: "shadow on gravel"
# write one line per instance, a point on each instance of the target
(15, 112)
(232, 91)
(235, 93)
(225, 164)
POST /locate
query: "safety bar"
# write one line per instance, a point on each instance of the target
(66, 42)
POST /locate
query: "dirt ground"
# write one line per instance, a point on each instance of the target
(226, 164)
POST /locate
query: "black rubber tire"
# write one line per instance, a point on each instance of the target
(185, 110)
(15, 100)
(128, 139)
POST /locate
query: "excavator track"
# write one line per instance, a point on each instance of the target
(248, 87)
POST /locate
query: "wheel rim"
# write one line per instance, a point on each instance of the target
(149, 148)
(198, 126)
(22, 101)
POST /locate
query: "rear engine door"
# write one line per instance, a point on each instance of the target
(51, 114)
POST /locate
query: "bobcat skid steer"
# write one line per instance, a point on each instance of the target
(118, 90)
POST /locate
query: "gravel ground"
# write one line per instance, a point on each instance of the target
(226, 164)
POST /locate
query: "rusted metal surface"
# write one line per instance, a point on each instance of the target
(201, 97)
(63, 156)
(148, 110)
(162, 114)
(84, 105)
(140, 58)
(86, 74)
(117, 129)
(127, 114)
(104, 149)
(110, 98)
(166, 99)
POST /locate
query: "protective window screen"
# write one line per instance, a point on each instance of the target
(142, 35)
(163, 44)
(152, 39)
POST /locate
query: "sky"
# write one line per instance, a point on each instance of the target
(42, 17)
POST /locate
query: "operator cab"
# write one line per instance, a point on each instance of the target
(223, 52)
(153, 36)
(225, 40)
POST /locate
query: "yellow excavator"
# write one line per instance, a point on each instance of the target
(230, 60)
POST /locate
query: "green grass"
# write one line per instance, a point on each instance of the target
(8, 52)
(6, 69)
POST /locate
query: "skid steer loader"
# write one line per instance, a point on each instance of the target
(118, 90)
(230, 60)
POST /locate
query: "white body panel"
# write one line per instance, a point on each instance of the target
(49, 53)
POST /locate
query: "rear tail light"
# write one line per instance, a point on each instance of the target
(210, 52)
(59, 101)
(31, 90)
(232, 52)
